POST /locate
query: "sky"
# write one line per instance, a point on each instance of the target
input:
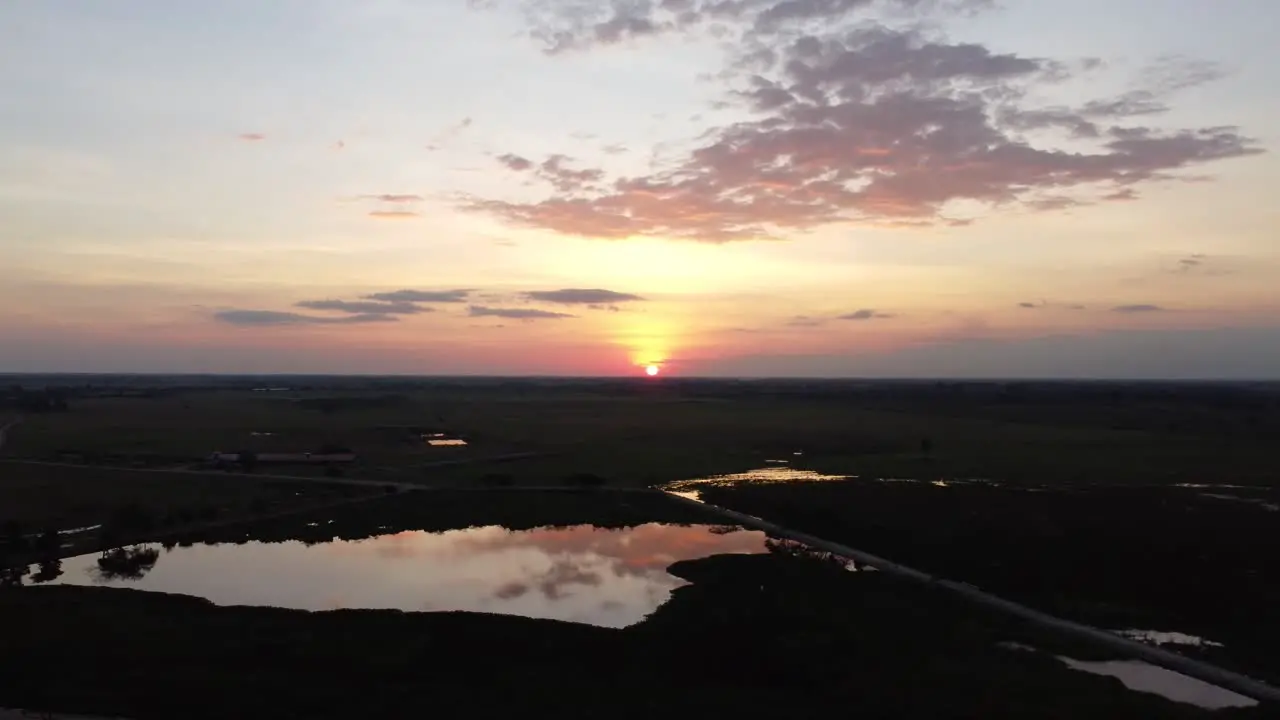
(868, 188)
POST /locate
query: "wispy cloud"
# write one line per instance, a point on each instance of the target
(252, 136)
(394, 214)
(1199, 264)
(865, 314)
(1190, 263)
(805, 321)
(262, 318)
(582, 296)
(568, 26)
(421, 296)
(365, 307)
(394, 198)
(449, 134)
(555, 171)
(1134, 309)
(515, 313)
(1046, 305)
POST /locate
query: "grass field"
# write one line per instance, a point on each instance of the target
(64, 497)
(650, 434)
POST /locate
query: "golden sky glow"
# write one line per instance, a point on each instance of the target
(1055, 188)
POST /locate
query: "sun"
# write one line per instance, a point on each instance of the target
(652, 370)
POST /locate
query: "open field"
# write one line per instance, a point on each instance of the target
(752, 635)
(65, 497)
(651, 432)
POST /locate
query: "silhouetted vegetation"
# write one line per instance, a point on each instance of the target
(46, 400)
(47, 572)
(127, 563)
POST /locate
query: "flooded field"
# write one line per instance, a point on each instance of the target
(611, 577)
(781, 471)
(777, 472)
(1144, 677)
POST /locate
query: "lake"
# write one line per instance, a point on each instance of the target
(607, 577)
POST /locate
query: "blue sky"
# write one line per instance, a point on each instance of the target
(176, 177)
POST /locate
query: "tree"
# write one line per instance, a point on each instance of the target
(49, 543)
(127, 563)
(13, 538)
(49, 571)
(12, 576)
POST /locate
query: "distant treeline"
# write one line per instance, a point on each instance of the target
(36, 401)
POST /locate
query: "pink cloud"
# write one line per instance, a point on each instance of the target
(877, 126)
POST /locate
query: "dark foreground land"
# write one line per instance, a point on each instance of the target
(1122, 505)
(1202, 562)
(752, 635)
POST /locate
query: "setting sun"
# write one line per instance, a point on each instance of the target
(652, 370)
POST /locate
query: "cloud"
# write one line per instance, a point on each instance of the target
(1121, 195)
(252, 136)
(554, 171)
(363, 307)
(614, 149)
(879, 126)
(421, 296)
(265, 318)
(515, 313)
(1194, 262)
(515, 162)
(576, 25)
(1133, 309)
(865, 314)
(1219, 353)
(1045, 304)
(395, 198)
(449, 134)
(393, 214)
(805, 321)
(582, 296)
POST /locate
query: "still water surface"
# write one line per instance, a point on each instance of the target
(608, 577)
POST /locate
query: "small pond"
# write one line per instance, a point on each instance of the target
(607, 577)
(439, 439)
